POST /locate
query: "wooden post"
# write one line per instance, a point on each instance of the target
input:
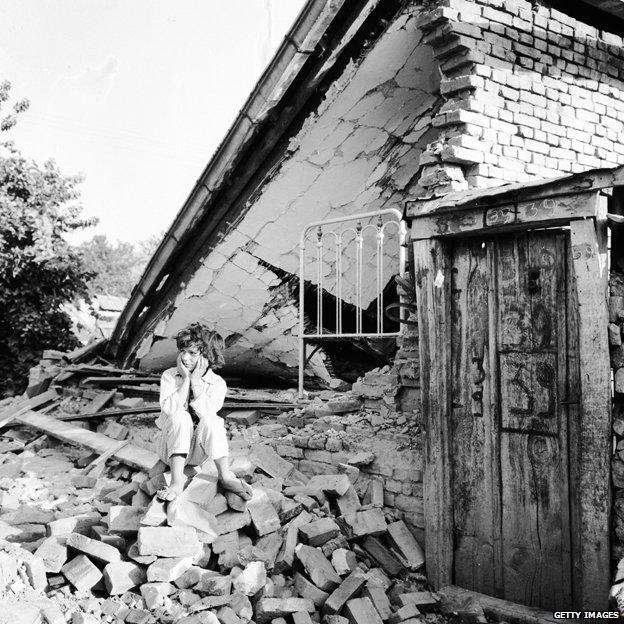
(594, 496)
(433, 296)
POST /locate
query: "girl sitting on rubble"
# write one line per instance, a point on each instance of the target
(191, 394)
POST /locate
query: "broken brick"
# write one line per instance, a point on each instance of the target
(168, 541)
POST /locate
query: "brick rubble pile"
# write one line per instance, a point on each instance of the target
(105, 549)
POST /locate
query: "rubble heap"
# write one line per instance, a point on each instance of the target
(105, 549)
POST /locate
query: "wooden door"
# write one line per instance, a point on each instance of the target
(513, 384)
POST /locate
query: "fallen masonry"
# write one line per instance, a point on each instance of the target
(110, 552)
(84, 540)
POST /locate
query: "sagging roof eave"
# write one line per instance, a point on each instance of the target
(298, 45)
(584, 182)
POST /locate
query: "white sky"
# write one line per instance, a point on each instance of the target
(134, 94)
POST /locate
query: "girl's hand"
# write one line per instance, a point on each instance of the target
(200, 369)
(185, 372)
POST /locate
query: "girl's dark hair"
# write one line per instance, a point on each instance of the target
(210, 343)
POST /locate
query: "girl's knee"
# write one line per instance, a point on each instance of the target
(180, 422)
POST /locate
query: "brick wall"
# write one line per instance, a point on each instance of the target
(530, 92)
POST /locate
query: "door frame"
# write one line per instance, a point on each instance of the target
(584, 212)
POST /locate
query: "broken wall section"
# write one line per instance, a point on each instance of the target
(530, 92)
(357, 151)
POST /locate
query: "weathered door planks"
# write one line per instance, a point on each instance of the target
(431, 262)
(534, 441)
(515, 389)
(475, 512)
(594, 441)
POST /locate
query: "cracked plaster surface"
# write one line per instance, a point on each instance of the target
(357, 152)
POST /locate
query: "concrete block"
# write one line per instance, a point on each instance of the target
(190, 578)
(406, 544)
(53, 553)
(318, 568)
(263, 515)
(230, 521)
(378, 596)
(235, 502)
(344, 592)
(268, 609)
(243, 417)
(122, 576)
(344, 561)
(336, 485)
(216, 585)
(349, 502)
(182, 512)
(98, 551)
(383, 556)
(251, 580)
(113, 430)
(286, 555)
(124, 519)
(168, 541)
(154, 594)
(80, 523)
(81, 573)
(367, 522)
(307, 589)
(202, 488)
(35, 570)
(155, 514)
(169, 569)
(320, 531)
(362, 611)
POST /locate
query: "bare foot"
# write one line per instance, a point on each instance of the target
(232, 483)
(170, 492)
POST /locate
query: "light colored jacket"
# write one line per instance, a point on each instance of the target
(206, 404)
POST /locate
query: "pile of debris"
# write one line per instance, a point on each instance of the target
(104, 549)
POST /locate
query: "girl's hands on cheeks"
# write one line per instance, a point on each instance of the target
(200, 369)
(185, 372)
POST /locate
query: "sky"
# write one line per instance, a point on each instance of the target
(135, 95)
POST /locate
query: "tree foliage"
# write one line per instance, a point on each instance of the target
(39, 270)
(115, 267)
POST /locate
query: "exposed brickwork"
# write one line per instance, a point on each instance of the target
(530, 92)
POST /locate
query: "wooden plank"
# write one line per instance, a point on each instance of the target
(154, 409)
(545, 212)
(536, 548)
(572, 410)
(495, 608)
(580, 183)
(117, 380)
(476, 522)
(595, 441)
(8, 415)
(96, 467)
(431, 262)
(90, 350)
(131, 455)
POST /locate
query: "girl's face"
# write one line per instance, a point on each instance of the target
(190, 356)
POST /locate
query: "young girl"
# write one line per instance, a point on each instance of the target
(191, 394)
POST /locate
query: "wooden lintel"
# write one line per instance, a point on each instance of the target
(594, 498)
(541, 212)
(432, 272)
(586, 182)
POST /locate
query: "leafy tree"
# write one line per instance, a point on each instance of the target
(39, 270)
(117, 267)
